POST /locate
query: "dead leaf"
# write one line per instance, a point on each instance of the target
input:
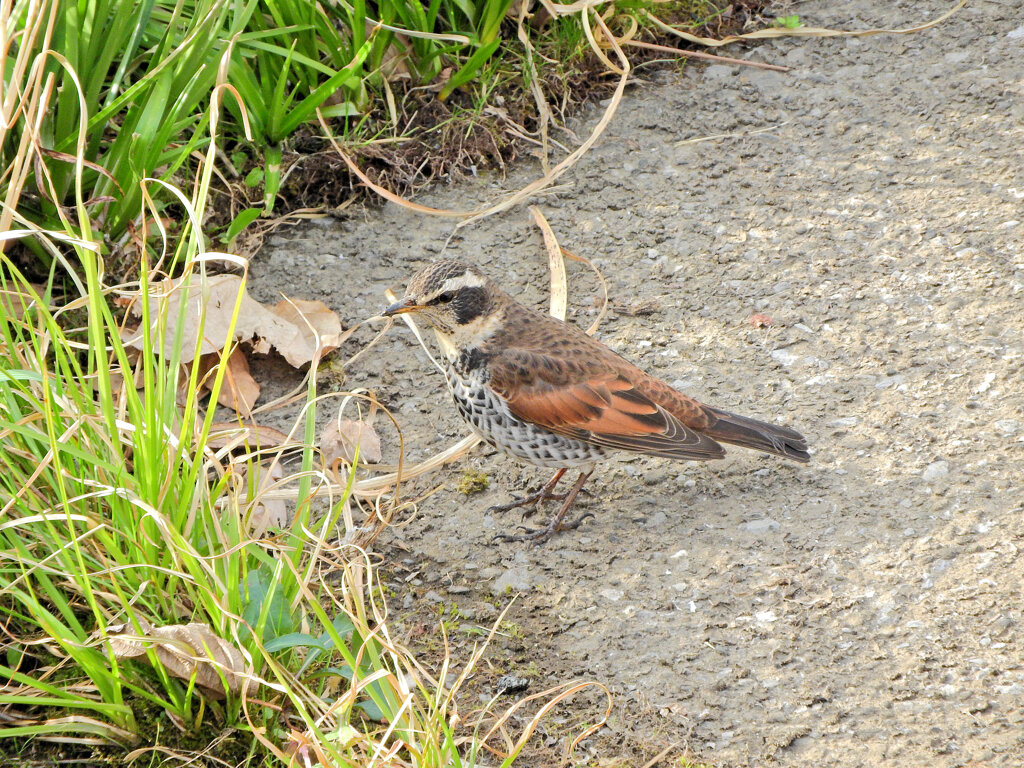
(440, 81)
(263, 512)
(14, 301)
(217, 295)
(187, 651)
(393, 64)
(239, 389)
(760, 320)
(225, 433)
(316, 315)
(341, 437)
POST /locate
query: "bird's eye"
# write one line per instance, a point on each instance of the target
(445, 297)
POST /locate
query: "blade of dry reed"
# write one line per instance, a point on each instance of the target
(390, 295)
(604, 289)
(386, 194)
(568, 690)
(595, 47)
(571, 8)
(543, 111)
(517, 197)
(705, 56)
(773, 32)
(559, 280)
(737, 135)
(581, 150)
(373, 486)
(661, 755)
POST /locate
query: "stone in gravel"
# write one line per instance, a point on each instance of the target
(518, 579)
(785, 356)
(1007, 427)
(759, 527)
(935, 471)
(719, 72)
(433, 597)
(509, 685)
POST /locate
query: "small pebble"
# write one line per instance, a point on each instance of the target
(509, 685)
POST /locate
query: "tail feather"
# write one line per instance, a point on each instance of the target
(759, 435)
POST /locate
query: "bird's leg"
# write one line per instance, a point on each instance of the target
(540, 535)
(533, 500)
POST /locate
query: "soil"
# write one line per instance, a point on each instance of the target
(865, 609)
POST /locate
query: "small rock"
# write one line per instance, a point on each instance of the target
(657, 520)
(516, 579)
(935, 471)
(612, 594)
(785, 356)
(458, 589)
(765, 617)
(890, 381)
(683, 384)
(720, 72)
(1007, 427)
(508, 685)
(656, 476)
(1016, 34)
(433, 597)
(759, 527)
(845, 421)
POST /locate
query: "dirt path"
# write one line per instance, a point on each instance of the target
(864, 610)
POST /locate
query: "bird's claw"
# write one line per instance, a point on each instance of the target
(532, 503)
(539, 535)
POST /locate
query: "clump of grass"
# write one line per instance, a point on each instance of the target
(131, 579)
(124, 90)
(123, 93)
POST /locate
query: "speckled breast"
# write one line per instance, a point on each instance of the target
(490, 417)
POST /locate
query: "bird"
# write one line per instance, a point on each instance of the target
(544, 392)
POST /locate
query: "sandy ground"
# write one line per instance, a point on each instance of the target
(863, 610)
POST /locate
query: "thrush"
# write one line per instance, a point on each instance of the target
(546, 393)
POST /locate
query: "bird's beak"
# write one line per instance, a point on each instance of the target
(402, 307)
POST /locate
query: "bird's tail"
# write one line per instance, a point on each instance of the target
(759, 435)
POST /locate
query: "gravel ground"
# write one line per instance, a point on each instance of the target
(862, 610)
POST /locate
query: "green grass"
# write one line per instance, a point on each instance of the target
(118, 515)
(124, 92)
(134, 597)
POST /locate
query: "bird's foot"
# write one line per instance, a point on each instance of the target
(539, 535)
(532, 502)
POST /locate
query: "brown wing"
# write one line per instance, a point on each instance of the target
(593, 403)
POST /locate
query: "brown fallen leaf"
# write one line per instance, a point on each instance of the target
(261, 512)
(393, 64)
(216, 297)
(15, 300)
(341, 437)
(187, 651)
(760, 320)
(239, 390)
(321, 318)
(256, 436)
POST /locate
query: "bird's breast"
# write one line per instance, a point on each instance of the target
(490, 417)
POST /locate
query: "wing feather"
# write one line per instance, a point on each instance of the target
(596, 404)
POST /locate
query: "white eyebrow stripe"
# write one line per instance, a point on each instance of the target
(465, 280)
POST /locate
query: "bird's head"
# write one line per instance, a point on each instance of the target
(456, 300)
